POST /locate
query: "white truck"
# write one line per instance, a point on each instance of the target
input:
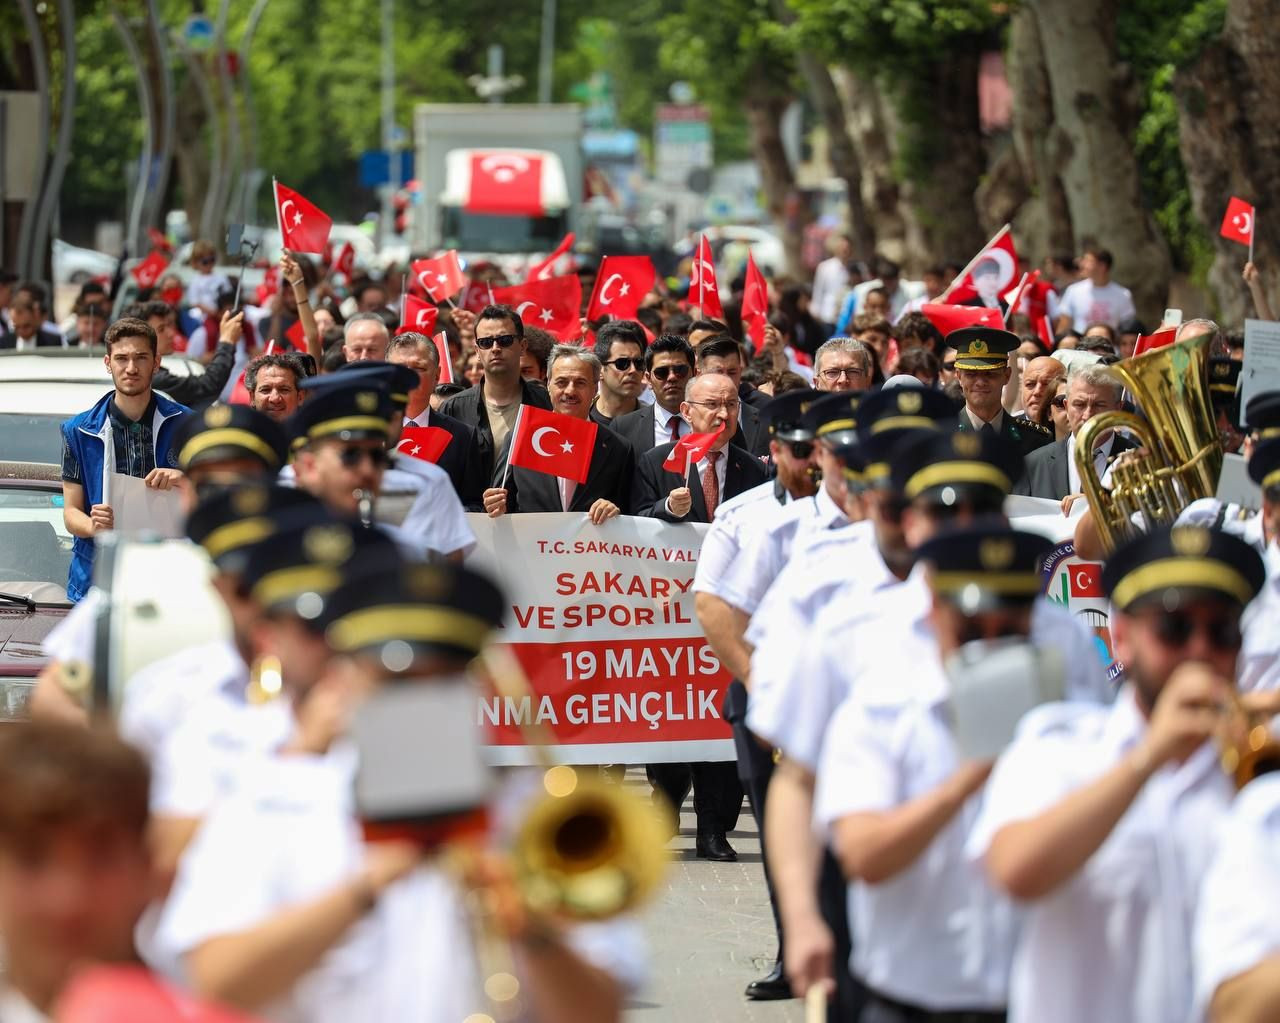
(497, 182)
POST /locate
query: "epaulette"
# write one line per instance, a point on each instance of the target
(1024, 421)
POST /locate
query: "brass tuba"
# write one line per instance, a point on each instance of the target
(1247, 746)
(1181, 455)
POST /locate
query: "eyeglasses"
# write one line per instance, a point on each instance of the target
(501, 340)
(662, 372)
(1059, 401)
(352, 457)
(624, 364)
(800, 448)
(1175, 629)
(949, 366)
(727, 406)
(834, 374)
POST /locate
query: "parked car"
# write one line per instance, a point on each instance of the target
(35, 554)
(74, 265)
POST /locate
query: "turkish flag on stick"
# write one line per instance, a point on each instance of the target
(345, 261)
(1150, 342)
(689, 450)
(441, 342)
(441, 278)
(620, 285)
(549, 442)
(702, 282)
(418, 315)
(1000, 251)
(427, 443)
(546, 269)
(554, 305)
(149, 270)
(755, 304)
(303, 227)
(297, 336)
(1239, 223)
(956, 317)
(1013, 299)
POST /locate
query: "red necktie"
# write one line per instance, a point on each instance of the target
(674, 422)
(711, 485)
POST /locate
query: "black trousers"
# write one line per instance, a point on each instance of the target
(851, 996)
(882, 1009)
(717, 792)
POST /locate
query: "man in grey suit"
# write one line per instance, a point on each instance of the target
(1051, 471)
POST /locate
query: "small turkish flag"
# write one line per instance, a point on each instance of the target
(303, 227)
(269, 286)
(620, 285)
(441, 342)
(149, 270)
(547, 268)
(424, 442)
(956, 317)
(507, 183)
(549, 442)
(1150, 342)
(703, 289)
(296, 336)
(476, 296)
(689, 450)
(345, 261)
(1086, 579)
(1013, 299)
(159, 240)
(440, 277)
(1000, 251)
(755, 303)
(1238, 223)
(1044, 331)
(418, 315)
(554, 305)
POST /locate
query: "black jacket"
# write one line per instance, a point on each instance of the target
(45, 338)
(609, 477)
(461, 460)
(468, 407)
(1046, 470)
(198, 391)
(637, 429)
(653, 483)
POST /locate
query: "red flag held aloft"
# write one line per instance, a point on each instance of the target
(755, 304)
(1150, 342)
(426, 443)
(269, 286)
(552, 305)
(956, 317)
(149, 270)
(1238, 223)
(549, 442)
(1013, 299)
(418, 315)
(475, 296)
(441, 341)
(998, 251)
(704, 292)
(296, 336)
(441, 277)
(546, 269)
(304, 227)
(345, 261)
(621, 283)
(689, 450)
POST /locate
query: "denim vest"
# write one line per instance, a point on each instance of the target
(88, 436)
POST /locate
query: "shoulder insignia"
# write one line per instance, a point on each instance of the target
(217, 416)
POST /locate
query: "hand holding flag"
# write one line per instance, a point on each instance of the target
(1239, 223)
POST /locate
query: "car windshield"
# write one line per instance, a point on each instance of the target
(35, 547)
(484, 232)
(30, 437)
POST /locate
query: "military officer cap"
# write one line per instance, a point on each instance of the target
(982, 348)
(1264, 464)
(355, 409)
(1169, 564)
(888, 415)
(398, 380)
(226, 432)
(986, 565)
(946, 467)
(301, 563)
(226, 524)
(1262, 415)
(1224, 375)
(833, 414)
(387, 608)
(785, 414)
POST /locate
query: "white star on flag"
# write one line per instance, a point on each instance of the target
(624, 289)
(415, 449)
(297, 218)
(442, 278)
(546, 316)
(566, 447)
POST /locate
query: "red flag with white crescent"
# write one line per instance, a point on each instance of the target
(426, 443)
(1238, 222)
(998, 262)
(505, 183)
(956, 317)
(345, 261)
(621, 283)
(1086, 580)
(441, 277)
(418, 315)
(689, 450)
(545, 270)
(554, 305)
(755, 303)
(149, 270)
(441, 341)
(553, 443)
(304, 227)
(704, 292)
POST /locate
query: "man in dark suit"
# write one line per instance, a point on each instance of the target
(722, 354)
(27, 330)
(982, 367)
(461, 459)
(491, 406)
(1052, 471)
(573, 375)
(711, 404)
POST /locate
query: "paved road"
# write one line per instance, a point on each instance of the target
(710, 933)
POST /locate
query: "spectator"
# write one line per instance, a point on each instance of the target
(533, 364)
(899, 293)
(205, 286)
(807, 333)
(915, 330)
(7, 280)
(620, 348)
(1094, 298)
(1058, 412)
(139, 426)
(921, 364)
(877, 334)
(780, 382)
(196, 390)
(473, 370)
(843, 364)
(27, 331)
(830, 284)
(365, 337)
(1129, 330)
(948, 374)
(92, 294)
(722, 354)
(700, 330)
(91, 323)
(1039, 383)
(272, 382)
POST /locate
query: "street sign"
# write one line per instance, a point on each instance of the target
(375, 167)
(682, 141)
(197, 32)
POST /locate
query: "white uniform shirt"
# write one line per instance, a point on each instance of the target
(1113, 942)
(937, 934)
(768, 551)
(1230, 518)
(1258, 666)
(1236, 923)
(436, 516)
(291, 838)
(72, 639)
(735, 522)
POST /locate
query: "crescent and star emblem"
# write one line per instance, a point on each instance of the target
(604, 289)
(520, 308)
(1244, 222)
(284, 212)
(542, 431)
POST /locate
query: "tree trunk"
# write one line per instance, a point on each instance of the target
(764, 111)
(1094, 117)
(1226, 111)
(1044, 222)
(191, 150)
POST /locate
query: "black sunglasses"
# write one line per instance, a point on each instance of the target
(1175, 629)
(662, 372)
(1060, 401)
(501, 340)
(351, 457)
(624, 364)
(800, 448)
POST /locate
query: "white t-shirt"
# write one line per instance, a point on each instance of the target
(1086, 303)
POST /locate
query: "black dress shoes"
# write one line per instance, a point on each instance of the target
(771, 987)
(715, 847)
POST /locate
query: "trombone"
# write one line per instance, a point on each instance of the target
(1247, 747)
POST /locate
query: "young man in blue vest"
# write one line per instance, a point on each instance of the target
(129, 431)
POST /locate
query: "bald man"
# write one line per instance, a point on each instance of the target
(1039, 384)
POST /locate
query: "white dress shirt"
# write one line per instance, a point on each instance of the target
(662, 425)
(1258, 665)
(1114, 941)
(978, 422)
(1100, 456)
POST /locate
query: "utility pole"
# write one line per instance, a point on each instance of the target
(547, 51)
(386, 222)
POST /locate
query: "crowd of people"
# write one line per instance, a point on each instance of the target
(257, 825)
